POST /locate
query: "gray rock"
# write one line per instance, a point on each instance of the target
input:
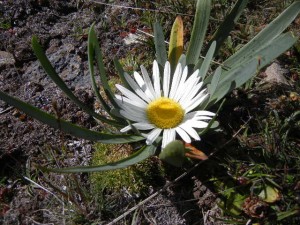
(275, 74)
(6, 58)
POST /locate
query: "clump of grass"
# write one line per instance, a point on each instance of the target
(4, 24)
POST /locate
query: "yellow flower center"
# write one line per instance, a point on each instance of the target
(165, 113)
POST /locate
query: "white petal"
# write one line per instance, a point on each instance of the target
(181, 87)
(198, 124)
(130, 95)
(186, 100)
(138, 78)
(205, 113)
(191, 82)
(189, 94)
(196, 102)
(125, 103)
(133, 116)
(168, 136)
(144, 84)
(151, 137)
(175, 81)
(156, 79)
(143, 126)
(125, 129)
(136, 88)
(166, 83)
(191, 89)
(183, 135)
(194, 76)
(138, 126)
(138, 112)
(148, 83)
(203, 118)
(200, 113)
(193, 79)
(120, 99)
(191, 131)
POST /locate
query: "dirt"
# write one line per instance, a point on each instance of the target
(26, 80)
(61, 27)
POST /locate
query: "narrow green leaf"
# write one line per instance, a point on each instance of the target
(65, 126)
(286, 214)
(203, 8)
(275, 48)
(241, 73)
(140, 155)
(212, 123)
(263, 56)
(176, 43)
(91, 55)
(215, 81)
(228, 24)
(206, 63)
(234, 78)
(182, 60)
(121, 72)
(94, 45)
(198, 64)
(268, 34)
(61, 84)
(160, 46)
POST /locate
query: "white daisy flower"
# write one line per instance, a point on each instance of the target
(165, 108)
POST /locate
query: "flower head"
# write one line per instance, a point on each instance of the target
(164, 106)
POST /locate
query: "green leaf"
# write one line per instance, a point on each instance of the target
(242, 72)
(65, 126)
(228, 24)
(286, 214)
(233, 78)
(275, 48)
(213, 124)
(121, 73)
(234, 203)
(268, 34)
(270, 194)
(206, 63)
(176, 43)
(173, 153)
(160, 46)
(215, 81)
(182, 60)
(140, 155)
(95, 47)
(91, 55)
(61, 84)
(203, 8)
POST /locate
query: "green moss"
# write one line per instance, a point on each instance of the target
(135, 179)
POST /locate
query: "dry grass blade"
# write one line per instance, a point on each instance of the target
(141, 9)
